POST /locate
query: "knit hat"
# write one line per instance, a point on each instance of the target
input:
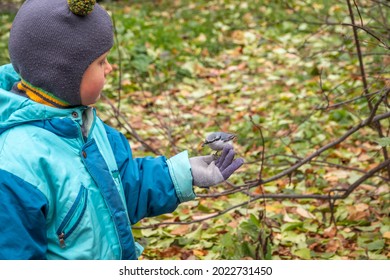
(51, 47)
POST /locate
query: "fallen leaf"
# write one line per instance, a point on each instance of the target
(170, 252)
(233, 224)
(330, 232)
(336, 175)
(288, 219)
(200, 217)
(275, 208)
(199, 253)
(333, 245)
(303, 253)
(358, 212)
(304, 213)
(180, 230)
(361, 207)
(382, 190)
(317, 247)
(367, 187)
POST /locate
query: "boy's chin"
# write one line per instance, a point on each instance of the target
(91, 101)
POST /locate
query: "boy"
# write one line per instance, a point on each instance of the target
(69, 186)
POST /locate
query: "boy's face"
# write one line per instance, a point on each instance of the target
(94, 79)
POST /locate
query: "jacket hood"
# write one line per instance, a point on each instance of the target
(17, 110)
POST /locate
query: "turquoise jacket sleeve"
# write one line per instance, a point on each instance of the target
(149, 188)
(180, 170)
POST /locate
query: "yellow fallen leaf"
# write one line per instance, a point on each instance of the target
(274, 208)
(199, 253)
(386, 235)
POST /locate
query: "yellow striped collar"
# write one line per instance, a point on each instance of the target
(40, 96)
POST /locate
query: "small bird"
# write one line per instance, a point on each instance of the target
(217, 140)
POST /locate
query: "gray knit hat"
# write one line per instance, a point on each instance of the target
(51, 47)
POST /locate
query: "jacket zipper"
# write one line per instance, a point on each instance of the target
(61, 238)
(72, 220)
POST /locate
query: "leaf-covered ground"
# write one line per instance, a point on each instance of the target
(269, 71)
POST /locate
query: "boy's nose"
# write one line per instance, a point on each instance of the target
(108, 69)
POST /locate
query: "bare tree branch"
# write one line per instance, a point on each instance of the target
(351, 131)
(120, 117)
(337, 105)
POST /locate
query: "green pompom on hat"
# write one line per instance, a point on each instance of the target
(81, 7)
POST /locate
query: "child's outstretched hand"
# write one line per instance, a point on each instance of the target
(210, 170)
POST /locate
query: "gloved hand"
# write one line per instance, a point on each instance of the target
(211, 170)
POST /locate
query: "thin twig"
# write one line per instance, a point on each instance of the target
(262, 144)
(359, 52)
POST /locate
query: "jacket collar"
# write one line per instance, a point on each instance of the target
(18, 110)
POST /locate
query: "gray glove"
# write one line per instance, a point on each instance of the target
(211, 170)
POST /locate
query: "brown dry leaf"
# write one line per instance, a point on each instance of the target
(367, 187)
(185, 210)
(386, 235)
(284, 251)
(181, 230)
(361, 207)
(333, 245)
(171, 251)
(336, 175)
(330, 232)
(364, 157)
(382, 190)
(371, 166)
(258, 190)
(358, 212)
(233, 224)
(317, 247)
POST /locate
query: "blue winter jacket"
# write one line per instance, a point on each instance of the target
(69, 195)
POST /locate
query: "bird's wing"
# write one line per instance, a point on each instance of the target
(231, 137)
(206, 142)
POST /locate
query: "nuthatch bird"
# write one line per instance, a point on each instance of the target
(217, 140)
